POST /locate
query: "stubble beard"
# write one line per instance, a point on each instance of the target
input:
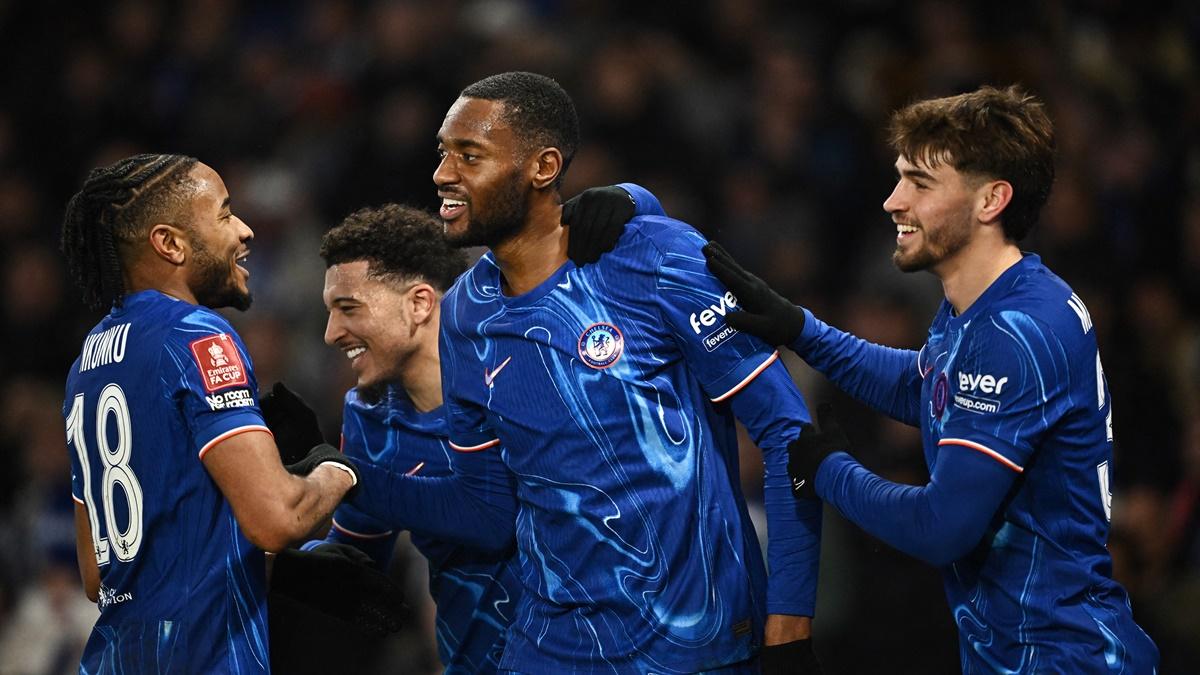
(500, 223)
(213, 286)
(939, 244)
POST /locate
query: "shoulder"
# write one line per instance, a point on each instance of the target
(1038, 303)
(666, 235)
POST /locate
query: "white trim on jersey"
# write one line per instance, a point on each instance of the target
(358, 535)
(230, 434)
(753, 374)
(985, 450)
(474, 448)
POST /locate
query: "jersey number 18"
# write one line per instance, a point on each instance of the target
(111, 409)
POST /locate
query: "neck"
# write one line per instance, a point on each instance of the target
(532, 256)
(967, 274)
(422, 378)
(168, 280)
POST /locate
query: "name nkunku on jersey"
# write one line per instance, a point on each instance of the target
(597, 389)
(158, 382)
(1017, 377)
(475, 591)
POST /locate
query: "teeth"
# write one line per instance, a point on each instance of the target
(352, 353)
(905, 229)
(451, 203)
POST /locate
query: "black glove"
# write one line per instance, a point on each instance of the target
(341, 581)
(293, 423)
(597, 218)
(790, 657)
(318, 456)
(765, 313)
(810, 448)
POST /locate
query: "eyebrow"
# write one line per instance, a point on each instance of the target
(460, 142)
(225, 204)
(916, 173)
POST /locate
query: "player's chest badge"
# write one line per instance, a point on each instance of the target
(941, 395)
(601, 345)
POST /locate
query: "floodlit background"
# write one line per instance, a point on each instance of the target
(759, 123)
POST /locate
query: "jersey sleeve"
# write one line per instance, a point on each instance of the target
(208, 372)
(773, 411)
(1009, 387)
(887, 379)
(694, 304)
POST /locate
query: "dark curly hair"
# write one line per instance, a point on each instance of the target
(999, 133)
(113, 210)
(399, 243)
(537, 108)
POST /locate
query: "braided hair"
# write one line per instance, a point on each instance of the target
(116, 205)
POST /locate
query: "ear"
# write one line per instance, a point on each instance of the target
(548, 164)
(994, 196)
(169, 243)
(422, 303)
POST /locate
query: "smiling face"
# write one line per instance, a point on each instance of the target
(481, 176)
(934, 212)
(219, 242)
(369, 322)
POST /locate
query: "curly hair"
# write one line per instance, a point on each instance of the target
(114, 209)
(399, 243)
(536, 107)
(1000, 133)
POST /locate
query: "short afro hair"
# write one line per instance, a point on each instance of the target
(538, 109)
(400, 243)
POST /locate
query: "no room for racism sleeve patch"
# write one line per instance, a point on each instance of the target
(219, 361)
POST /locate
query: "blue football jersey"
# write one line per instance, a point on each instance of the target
(602, 389)
(158, 382)
(1018, 377)
(475, 591)
(1016, 381)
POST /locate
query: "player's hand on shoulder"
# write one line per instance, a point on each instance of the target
(291, 421)
(764, 312)
(791, 657)
(811, 447)
(341, 581)
(597, 218)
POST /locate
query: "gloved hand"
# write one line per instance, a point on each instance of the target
(806, 453)
(292, 422)
(341, 581)
(597, 218)
(319, 455)
(764, 312)
(790, 657)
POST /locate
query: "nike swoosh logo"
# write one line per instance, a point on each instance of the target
(489, 377)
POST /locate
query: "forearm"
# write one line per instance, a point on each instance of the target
(313, 499)
(884, 378)
(477, 511)
(772, 411)
(939, 522)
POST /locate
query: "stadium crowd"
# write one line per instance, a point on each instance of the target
(758, 122)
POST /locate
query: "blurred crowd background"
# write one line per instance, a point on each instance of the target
(759, 122)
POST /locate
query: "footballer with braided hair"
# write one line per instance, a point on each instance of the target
(177, 481)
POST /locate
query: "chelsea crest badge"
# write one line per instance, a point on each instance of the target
(601, 345)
